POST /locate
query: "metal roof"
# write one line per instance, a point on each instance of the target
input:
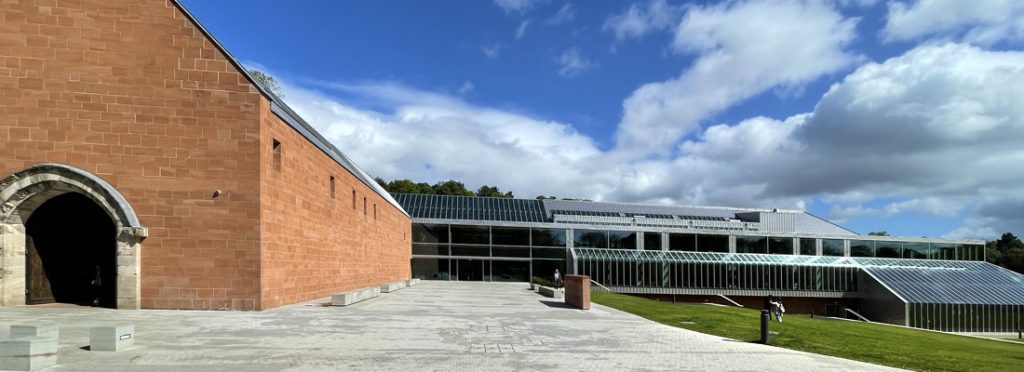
(634, 255)
(471, 208)
(952, 282)
(285, 112)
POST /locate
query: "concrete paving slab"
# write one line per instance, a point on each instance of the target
(435, 326)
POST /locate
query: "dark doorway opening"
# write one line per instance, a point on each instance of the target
(471, 270)
(71, 253)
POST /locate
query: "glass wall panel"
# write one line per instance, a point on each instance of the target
(470, 234)
(549, 237)
(548, 252)
(751, 244)
(430, 249)
(510, 271)
(429, 233)
(682, 242)
(510, 251)
(471, 250)
(712, 243)
(831, 247)
(652, 241)
(544, 270)
(780, 245)
(621, 240)
(915, 250)
(888, 249)
(430, 268)
(944, 251)
(472, 270)
(808, 247)
(979, 252)
(510, 235)
(862, 248)
(590, 239)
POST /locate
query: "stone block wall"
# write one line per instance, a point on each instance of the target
(316, 242)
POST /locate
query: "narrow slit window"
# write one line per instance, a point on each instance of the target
(353, 198)
(364, 205)
(375, 211)
(276, 149)
(332, 187)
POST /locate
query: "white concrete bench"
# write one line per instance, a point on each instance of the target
(112, 338)
(550, 292)
(50, 330)
(351, 297)
(412, 282)
(28, 353)
(391, 287)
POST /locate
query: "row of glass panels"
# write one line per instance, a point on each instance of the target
(703, 275)
(966, 317)
(615, 239)
(483, 269)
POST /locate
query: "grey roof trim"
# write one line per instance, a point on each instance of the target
(830, 222)
(282, 110)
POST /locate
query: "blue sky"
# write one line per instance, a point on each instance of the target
(878, 115)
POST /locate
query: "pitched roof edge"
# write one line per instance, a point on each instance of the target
(289, 116)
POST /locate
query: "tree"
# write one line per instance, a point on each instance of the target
(267, 82)
(451, 187)
(493, 191)
(1007, 251)
(879, 233)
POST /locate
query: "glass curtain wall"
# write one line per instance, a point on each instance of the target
(966, 317)
(486, 253)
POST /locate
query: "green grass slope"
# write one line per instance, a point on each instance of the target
(872, 343)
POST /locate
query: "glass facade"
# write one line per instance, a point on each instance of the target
(652, 241)
(862, 248)
(682, 242)
(487, 253)
(832, 247)
(808, 247)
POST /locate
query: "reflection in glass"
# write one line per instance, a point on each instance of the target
(682, 242)
(430, 249)
(549, 237)
(549, 253)
(471, 250)
(808, 247)
(751, 244)
(510, 235)
(888, 249)
(831, 247)
(544, 270)
(862, 248)
(944, 251)
(915, 250)
(712, 243)
(429, 233)
(590, 239)
(470, 234)
(780, 245)
(510, 271)
(501, 251)
(652, 241)
(430, 268)
(621, 240)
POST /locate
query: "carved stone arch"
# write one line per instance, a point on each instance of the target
(25, 190)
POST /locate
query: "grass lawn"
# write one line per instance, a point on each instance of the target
(872, 343)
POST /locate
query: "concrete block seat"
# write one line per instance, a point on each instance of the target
(351, 297)
(550, 292)
(393, 286)
(28, 353)
(412, 282)
(46, 330)
(112, 338)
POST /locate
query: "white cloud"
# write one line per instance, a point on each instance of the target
(518, 6)
(492, 51)
(565, 14)
(638, 21)
(744, 48)
(572, 63)
(466, 88)
(981, 22)
(521, 30)
(938, 130)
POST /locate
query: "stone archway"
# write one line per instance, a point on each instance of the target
(25, 190)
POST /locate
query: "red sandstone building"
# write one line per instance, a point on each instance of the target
(135, 151)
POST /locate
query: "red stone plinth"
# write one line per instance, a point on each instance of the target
(577, 291)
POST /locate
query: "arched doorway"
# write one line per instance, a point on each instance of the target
(70, 253)
(59, 227)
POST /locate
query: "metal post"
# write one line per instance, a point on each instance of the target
(764, 326)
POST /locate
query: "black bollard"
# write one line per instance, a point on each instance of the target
(1019, 334)
(764, 326)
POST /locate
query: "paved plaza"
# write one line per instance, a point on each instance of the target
(432, 326)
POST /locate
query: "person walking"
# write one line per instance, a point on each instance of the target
(558, 279)
(780, 310)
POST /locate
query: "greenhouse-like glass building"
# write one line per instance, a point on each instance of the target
(728, 255)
